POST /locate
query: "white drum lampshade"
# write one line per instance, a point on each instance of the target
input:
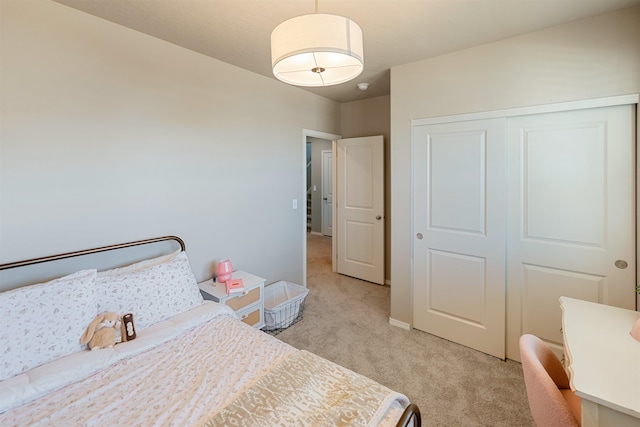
(317, 50)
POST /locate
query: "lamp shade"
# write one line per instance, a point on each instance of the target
(317, 50)
(224, 270)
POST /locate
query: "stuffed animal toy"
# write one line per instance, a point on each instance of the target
(103, 331)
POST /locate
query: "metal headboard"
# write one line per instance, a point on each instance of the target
(12, 278)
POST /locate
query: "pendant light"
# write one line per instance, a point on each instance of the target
(317, 50)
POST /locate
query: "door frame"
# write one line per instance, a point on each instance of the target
(537, 109)
(637, 198)
(306, 133)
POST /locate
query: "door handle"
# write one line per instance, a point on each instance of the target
(378, 217)
(621, 264)
(324, 198)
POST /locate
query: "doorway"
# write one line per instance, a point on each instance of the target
(318, 185)
(313, 143)
(358, 250)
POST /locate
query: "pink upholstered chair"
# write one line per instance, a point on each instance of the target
(550, 397)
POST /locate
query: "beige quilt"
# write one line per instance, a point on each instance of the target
(307, 390)
(220, 373)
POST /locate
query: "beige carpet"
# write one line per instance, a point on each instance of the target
(347, 321)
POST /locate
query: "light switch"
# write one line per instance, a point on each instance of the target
(315, 188)
(294, 205)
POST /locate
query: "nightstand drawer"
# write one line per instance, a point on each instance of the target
(252, 316)
(239, 302)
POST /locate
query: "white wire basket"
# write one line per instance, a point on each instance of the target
(283, 305)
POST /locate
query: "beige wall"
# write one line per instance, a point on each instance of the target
(371, 117)
(110, 135)
(594, 58)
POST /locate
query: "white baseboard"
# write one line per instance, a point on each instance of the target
(399, 324)
(316, 233)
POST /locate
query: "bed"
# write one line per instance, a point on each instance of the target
(192, 362)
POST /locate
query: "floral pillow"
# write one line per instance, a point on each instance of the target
(44, 322)
(152, 294)
(138, 265)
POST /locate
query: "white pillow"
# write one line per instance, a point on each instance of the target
(139, 265)
(44, 322)
(153, 294)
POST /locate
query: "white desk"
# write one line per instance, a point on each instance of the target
(603, 361)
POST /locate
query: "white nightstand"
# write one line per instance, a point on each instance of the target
(249, 306)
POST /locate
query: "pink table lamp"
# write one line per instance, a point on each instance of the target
(224, 270)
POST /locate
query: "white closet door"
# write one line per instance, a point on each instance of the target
(459, 232)
(571, 216)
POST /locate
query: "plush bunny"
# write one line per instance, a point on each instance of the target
(103, 331)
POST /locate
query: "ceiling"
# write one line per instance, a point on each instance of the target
(395, 32)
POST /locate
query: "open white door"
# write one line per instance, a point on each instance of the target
(459, 232)
(327, 192)
(359, 224)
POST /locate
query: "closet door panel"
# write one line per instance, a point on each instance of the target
(458, 181)
(564, 184)
(459, 232)
(542, 288)
(571, 216)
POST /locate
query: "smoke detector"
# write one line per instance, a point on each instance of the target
(363, 86)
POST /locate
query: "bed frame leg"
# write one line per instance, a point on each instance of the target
(411, 413)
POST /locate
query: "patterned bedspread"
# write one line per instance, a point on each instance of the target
(214, 372)
(306, 389)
